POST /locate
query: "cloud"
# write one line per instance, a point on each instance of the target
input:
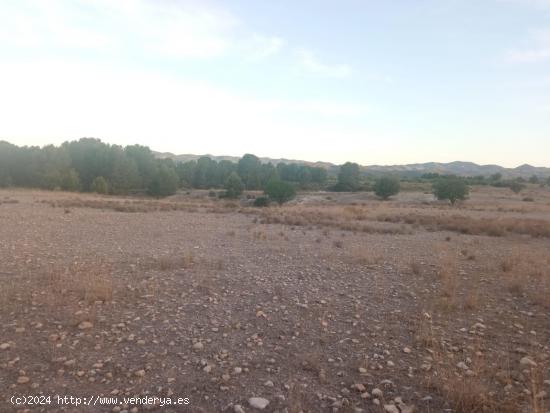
(309, 62)
(167, 28)
(540, 51)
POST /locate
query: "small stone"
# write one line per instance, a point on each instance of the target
(391, 408)
(377, 392)
(238, 409)
(198, 345)
(269, 383)
(527, 362)
(359, 387)
(5, 346)
(140, 373)
(23, 380)
(258, 402)
(237, 370)
(406, 350)
(365, 395)
(85, 325)
(462, 366)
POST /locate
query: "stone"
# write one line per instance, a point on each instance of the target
(85, 325)
(258, 402)
(377, 392)
(391, 408)
(406, 350)
(198, 345)
(238, 409)
(527, 362)
(5, 346)
(461, 365)
(23, 380)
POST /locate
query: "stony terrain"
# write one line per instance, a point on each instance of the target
(331, 303)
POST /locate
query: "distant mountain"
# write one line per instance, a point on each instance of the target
(455, 168)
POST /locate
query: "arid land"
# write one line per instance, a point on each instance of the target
(333, 302)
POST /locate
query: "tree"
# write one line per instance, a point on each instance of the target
(386, 186)
(451, 188)
(165, 181)
(249, 171)
(233, 186)
(348, 177)
(100, 185)
(70, 180)
(280, 191)
(516, 187)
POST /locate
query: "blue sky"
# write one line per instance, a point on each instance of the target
(368, 81)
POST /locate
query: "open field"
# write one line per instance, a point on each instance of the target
(334, 302)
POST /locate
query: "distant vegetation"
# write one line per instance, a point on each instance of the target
(89, 165)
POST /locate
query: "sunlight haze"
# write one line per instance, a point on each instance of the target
(364, 81)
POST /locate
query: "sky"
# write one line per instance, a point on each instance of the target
(373, 82)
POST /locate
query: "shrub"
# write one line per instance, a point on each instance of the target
(233, 186)
(348, 178)
(386, 186)
(516, 187)
(451, 188)
(280, 191)
(261, 201)
(99, 185)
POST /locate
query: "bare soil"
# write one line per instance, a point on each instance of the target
(321, 305)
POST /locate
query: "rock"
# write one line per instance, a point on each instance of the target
(527, 362)
(391, 408)
(198, 345)
(23, 380)
(462, 366)
(5, 346)
(359, 387)
(377, 392)
(140, 373)
(238, 409)
(406, 350)
(365, 395)
(237, 370)
(269, 383)
(258, 402)
(85, 325)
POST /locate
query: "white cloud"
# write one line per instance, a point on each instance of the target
(309, 62)
(177, 29)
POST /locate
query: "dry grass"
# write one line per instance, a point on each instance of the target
(496, 227)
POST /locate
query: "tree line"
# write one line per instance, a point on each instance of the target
(90, 165)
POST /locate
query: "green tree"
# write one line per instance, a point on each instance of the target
(249, 171)
(348, 177)
(450, 188)
(100, 185)
(164, 182)
(70, 180)
(233, 186)
(280, 191)
(386, 186)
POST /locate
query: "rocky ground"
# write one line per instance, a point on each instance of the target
(208, 301)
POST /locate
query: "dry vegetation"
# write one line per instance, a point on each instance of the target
(332, 303)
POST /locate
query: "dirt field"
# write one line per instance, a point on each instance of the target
(334, 302)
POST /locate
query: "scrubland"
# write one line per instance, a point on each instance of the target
(333, 302)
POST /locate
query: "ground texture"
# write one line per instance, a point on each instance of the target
(332, 303)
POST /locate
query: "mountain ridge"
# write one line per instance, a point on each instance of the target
(461, 168)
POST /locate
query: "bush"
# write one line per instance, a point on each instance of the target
(516, 187)
(386, 186)
(451, 188)
(233, 186)
(261, 201)
(99, 185)
(280, 191)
